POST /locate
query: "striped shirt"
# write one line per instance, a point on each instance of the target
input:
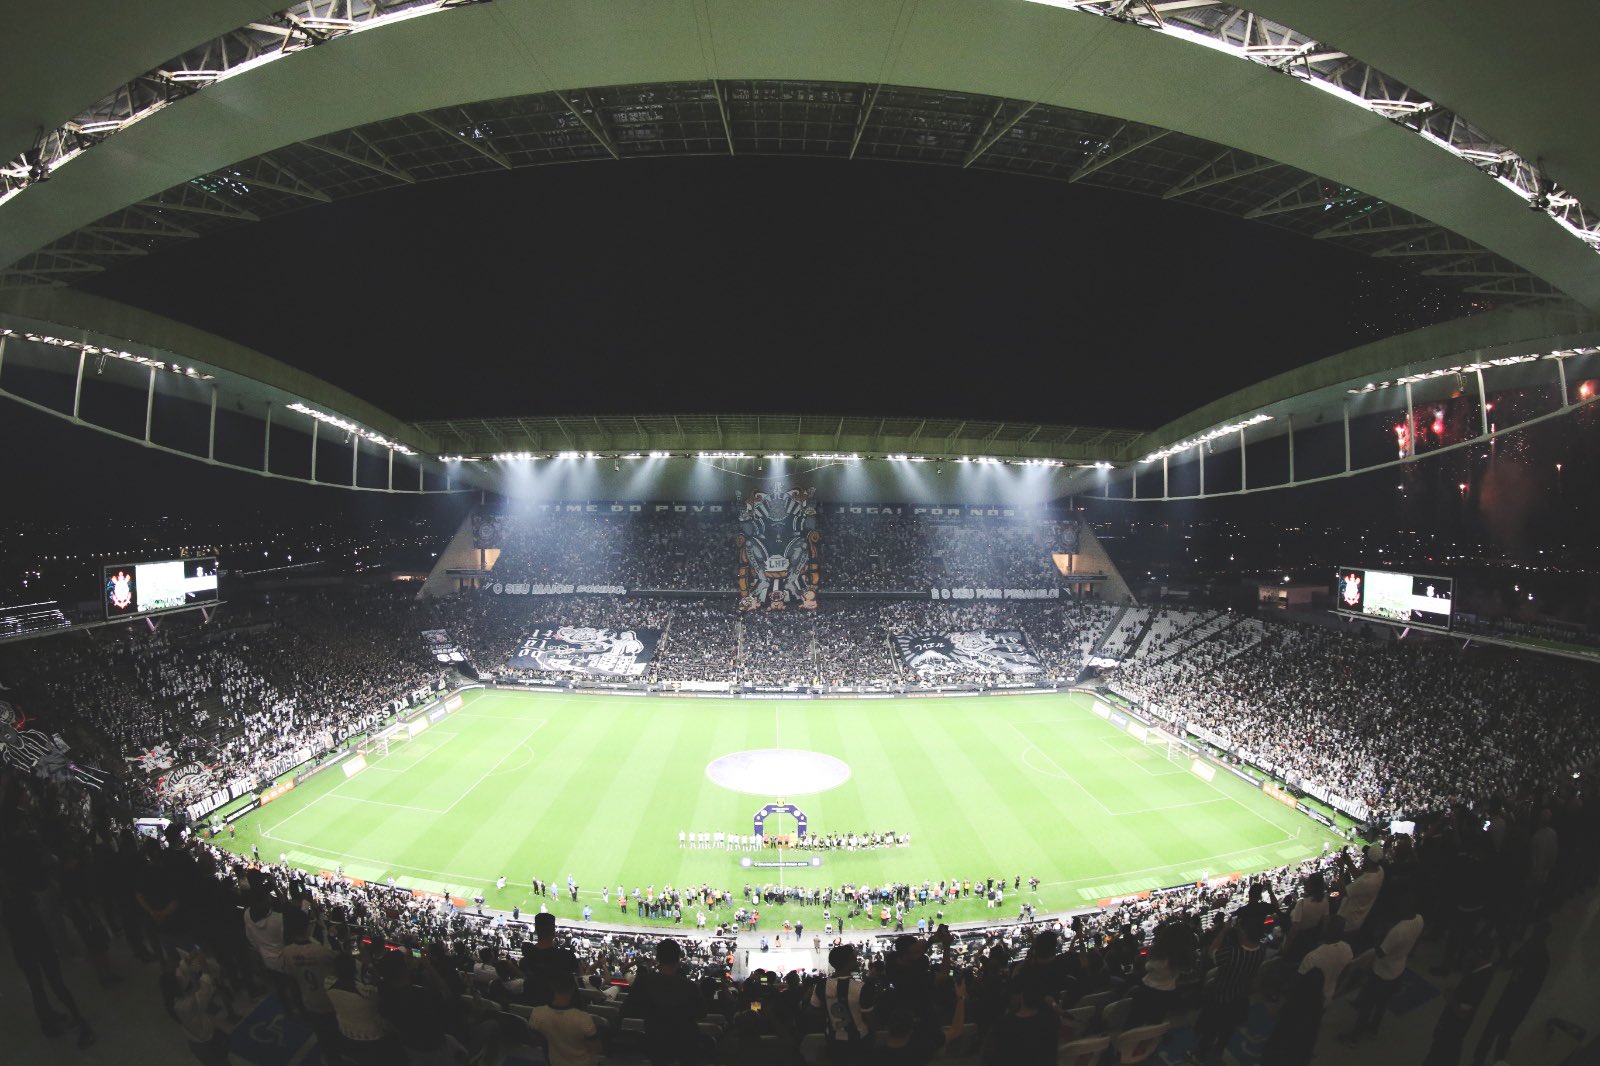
(1236, 972)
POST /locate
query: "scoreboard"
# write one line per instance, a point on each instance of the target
(132, 590)
(1391, 596)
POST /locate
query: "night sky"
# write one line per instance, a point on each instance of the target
(778, 285)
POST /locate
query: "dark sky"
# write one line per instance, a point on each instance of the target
(778, 285)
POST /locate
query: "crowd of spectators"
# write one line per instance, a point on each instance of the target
(1480, 747)
(636, 550)
(701, 646)
(688, 550)
(1059, 634)
(917, 552)
(1402, 726)
(853, 648)
(843, 643)
(382, 975)
(237, 696)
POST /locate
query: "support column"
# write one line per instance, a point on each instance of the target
(1347, 436)
(1244, 480)
(355, 456)
(77, 388)
(266, 450)
(1411, 426)
(1291, 449)
(1135, 495)
(391, 469)
(211, 433)
(149, 404)
(316, 427)
(1165, 495)
(3, 339)
(1483, 406)
(1561, 376)
(1200, 454)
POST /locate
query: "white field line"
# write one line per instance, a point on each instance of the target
(1060, 771)
(485, 775)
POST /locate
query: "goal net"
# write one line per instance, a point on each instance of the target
(379, 743)
(1161, 740)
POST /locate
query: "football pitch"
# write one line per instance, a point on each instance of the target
(598, 788)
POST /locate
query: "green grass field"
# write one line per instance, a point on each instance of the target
(599, 787)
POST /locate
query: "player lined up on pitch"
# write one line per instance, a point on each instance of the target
(808, 841)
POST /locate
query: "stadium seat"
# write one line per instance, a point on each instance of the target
(610, 1015)
(814, 1049)
(1077, 1022)
(1098, 1000)
(1139, 1044)
(1084, 1052)
(1115, 1016)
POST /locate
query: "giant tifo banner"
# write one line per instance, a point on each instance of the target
(994, 594)
(442, 647)
(979, 651)
(485, 530)
(587, 650)
(778, 558)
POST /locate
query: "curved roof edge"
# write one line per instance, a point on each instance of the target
(67, 59)
(92, 319)
(1325, 384)
(1060, 58)
(1513, 349)
(1532, 97)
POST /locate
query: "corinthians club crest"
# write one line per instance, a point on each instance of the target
(119, 590)
(1350, 589)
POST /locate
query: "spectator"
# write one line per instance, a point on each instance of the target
(572, 1036)
(1026, 1034)
(1330, 957)
(1225, 1000)
(1293, 1039)
(844, 1001)
(1529, 967)
(1387, 968)
(671, 1007)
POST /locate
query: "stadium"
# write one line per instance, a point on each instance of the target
(592, 638)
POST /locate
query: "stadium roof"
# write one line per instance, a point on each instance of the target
(52, 334)
(154, 128)
(1404, 131)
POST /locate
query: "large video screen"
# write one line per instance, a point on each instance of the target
(134, 589)
(1391, 596)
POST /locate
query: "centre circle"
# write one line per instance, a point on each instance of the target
(778, 772)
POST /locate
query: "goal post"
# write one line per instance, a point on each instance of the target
(380, 742)
(1161, 739)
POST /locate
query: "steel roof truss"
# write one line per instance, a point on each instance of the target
(474, 138)
(373, 159)
(1222, 167)
(1109, 152)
